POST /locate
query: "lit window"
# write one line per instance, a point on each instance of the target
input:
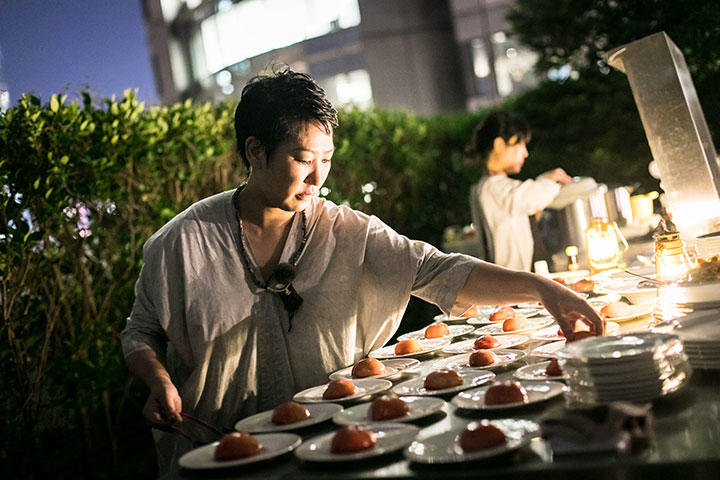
(170, 9)
(351, 88)
(240, 30)
(179, 68)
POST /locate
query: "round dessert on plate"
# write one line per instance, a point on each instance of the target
(235, 446)
(363, 388)
(482, 439)
(417, 386)
(442, 379)
(391, 367)
(479, 436)
(513, 324)
(368, 367)
(426, 346)
(418, 407)
(468, 346)
(539, 371)
(388, 437)
(404, 347)
(339, 389)
(289, 412)
(351, 439)
(485, 342)
(264, 422)
(388, 407)
(502, 393)
(437, 330)
(273, 445)
(481, 359)
(508, 394)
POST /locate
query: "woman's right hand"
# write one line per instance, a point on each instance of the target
(163, 406)
(558, 175)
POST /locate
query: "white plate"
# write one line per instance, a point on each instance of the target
(616, 348)
(274, 444)
(416, 385)
(444, 448)
(637, 311)
(460, 362)
(548, 350)
(532, 324)
(428, 346)
(481, 309)
(535, 371)
(363, 388)
(262, 422)
(550, 334)
(418, 407)
(466, 346)
(519, 311)
(389, 437)
(455, 331)
(537, 392)
(393, 366)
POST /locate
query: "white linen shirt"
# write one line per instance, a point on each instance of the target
(507, 203)
(229, 351)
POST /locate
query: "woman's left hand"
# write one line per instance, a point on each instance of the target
(568, 308)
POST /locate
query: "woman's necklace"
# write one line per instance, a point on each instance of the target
(281, 278)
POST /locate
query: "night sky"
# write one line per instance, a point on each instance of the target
(65, 46)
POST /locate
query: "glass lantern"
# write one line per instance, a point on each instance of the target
(604, 245)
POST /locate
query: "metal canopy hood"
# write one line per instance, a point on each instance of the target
(676, 130)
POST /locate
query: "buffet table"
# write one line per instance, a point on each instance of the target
(683, 441)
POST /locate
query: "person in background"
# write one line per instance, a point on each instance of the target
(501, 206)
(256, 293)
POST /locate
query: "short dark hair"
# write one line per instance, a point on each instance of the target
(273, 108)
(498, 124)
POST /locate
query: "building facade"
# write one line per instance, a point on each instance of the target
(427, 56)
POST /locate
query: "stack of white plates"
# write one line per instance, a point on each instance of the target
(707, 245)
(700, 334)
(630, 368)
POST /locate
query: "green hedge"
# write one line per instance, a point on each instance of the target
(67, 278)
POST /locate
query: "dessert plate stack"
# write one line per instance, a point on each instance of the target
(627, 368)
(700, 334)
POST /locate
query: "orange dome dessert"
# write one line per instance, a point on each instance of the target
(584, 285)
(502, 314)
(236, 445)
(505, 392)
(482, 358)
(404, 347)
(351, 439)
(559, 280)
(388, 407)
(338, 389)
(471, 312)
(440, 379)
(514, 323)
(481, 437)
(437, 330)
(368, 367)
(553, 369)
(486, 342)
(289, 412)
(616, 309)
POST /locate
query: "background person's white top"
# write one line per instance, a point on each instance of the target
(230, 353)
(507, 203)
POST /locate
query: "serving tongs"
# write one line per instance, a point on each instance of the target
(647, 281)
(186, 416)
